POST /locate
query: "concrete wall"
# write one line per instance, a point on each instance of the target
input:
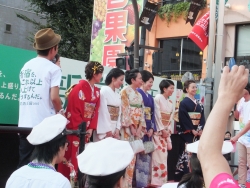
(20, 29)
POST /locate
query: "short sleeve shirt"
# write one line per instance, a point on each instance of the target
(224, 180)
(37, 77)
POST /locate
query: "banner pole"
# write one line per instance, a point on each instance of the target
(136, 39)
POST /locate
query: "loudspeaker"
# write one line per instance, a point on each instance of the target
(121, 63)
(157, 61)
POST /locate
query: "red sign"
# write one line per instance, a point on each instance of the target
(199, 33)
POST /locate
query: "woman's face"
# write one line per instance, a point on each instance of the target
(148, 84)
(61, 152)
(117, 82)
(97, 77)
(137, 82)
(192, 88)
(58, 63)
(169, 91)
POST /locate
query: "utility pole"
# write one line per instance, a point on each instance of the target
(136, 39)
(210, 56)
(220, 49)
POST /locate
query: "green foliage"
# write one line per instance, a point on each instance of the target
(72, 19)
(171, 12)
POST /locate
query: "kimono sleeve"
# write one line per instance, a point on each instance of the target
(125, 109)
(75, 106)
(104, 116)
(153, 125)
(142, 118)
(158, 121)
(184, 118)
(202, 121)
(118, 124)
(93, 121)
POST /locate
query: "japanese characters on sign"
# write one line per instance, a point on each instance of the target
(193, 11)
(113, 31)
(8, 90)
(29, 82)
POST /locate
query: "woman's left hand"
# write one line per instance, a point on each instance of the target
(150, 132)
(200, 132)
(116, 134)
(138, 131)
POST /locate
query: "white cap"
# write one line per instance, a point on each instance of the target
(105, 157)
(48, 129)
(227, 147)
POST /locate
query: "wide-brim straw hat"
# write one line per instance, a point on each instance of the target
(46, 39)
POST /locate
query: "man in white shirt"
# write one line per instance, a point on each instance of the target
(49, 139)
(39, 93)
(243, 137)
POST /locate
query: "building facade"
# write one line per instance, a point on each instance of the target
(180, 54)
(13, 30)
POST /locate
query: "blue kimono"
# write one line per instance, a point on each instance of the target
(191, 117)
(142, 166)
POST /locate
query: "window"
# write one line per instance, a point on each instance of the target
(242, 52)
(8, 28)
(180, 56)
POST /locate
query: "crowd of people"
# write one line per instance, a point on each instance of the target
(116, 118)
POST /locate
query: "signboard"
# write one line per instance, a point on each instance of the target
(11, 62)
(112, 29)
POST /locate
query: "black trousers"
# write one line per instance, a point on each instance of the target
(25, 150)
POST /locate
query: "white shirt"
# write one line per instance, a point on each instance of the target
(244, 117)
(36, 78)
(105, 124)
(28, 177)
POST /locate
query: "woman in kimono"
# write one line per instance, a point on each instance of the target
(132, 117)
(143, 161)
(109, 122)
(83, 106)
(164, 111)
(191, 123)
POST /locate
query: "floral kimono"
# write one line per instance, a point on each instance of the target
(83, 105)
(191, 117)
(163, 116)
(143, 161)
(132, 113)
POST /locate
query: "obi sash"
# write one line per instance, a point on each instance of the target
(147, 112)
(165, 118)
(89, 109)
(114, 112)
(195, 117)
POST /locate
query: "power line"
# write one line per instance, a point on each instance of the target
(20, 9)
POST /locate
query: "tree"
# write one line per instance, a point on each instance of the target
(72, 19)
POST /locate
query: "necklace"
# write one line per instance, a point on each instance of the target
(41, 166)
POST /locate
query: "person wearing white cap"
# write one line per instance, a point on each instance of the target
(215, 168)
(194, 179)
(105, 162)
(50, 145)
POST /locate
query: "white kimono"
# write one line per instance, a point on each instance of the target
(105, 124)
